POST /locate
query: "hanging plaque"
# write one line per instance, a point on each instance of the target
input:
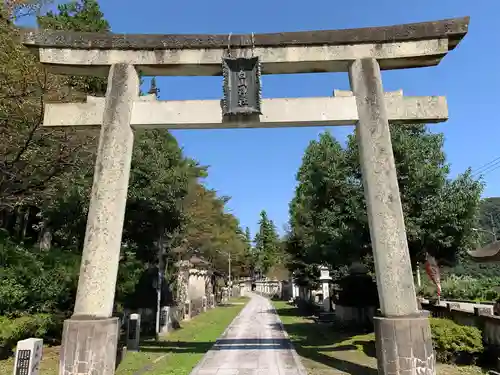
(242, 90)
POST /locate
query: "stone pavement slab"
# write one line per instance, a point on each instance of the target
(255, 343)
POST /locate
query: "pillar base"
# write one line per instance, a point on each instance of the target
(89, 346)
(404, 345)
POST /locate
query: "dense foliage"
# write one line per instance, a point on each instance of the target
(328, 221)
(45, 183)
(489, 219)
(36, 281)
(455, 343)
(267, 244)
(466, 288)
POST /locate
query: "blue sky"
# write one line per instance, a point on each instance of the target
(257, 167)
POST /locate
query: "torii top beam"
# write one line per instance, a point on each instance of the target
(395, 47)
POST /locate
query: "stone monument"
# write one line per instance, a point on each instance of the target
(133, 332)
(204, 303)
(325, 280)
(402, 332)
(28, 357)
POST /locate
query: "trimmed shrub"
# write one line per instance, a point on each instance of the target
(455, 343)
(358, 290)
(307, 307)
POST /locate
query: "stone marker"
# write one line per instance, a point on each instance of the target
(325, 280)
(133, 332)
(204, 303)
(224, 295)
(165, 319)
(28, 357)
(187, 310)
(295, 290)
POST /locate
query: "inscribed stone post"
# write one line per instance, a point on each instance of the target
(204, 303)
(325, 280)
(28, 357)
(295, 292)
(187, 310)
(164, 319)
(402, 333)
(89, 342)
(133, 332)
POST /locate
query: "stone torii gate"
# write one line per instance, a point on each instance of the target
(402, 331)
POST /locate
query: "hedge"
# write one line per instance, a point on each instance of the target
(455, 343)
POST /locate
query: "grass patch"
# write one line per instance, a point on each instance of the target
(324, 350)
(177, 353)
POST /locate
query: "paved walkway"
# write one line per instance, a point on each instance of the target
(253, 344)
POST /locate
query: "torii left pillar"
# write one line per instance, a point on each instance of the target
(90, 336)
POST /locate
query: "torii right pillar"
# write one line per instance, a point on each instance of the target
(403, 335)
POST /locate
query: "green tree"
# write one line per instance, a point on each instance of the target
(249, 253)
(489, 219)
(159, 179)
(35, 163)
(440, 213)
(248, 240)
(267, 244)
(212, 232)
(86, 16)
(328, 213)
(65, 214)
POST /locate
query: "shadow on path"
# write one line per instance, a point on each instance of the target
(222, 344)
(328, 345)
